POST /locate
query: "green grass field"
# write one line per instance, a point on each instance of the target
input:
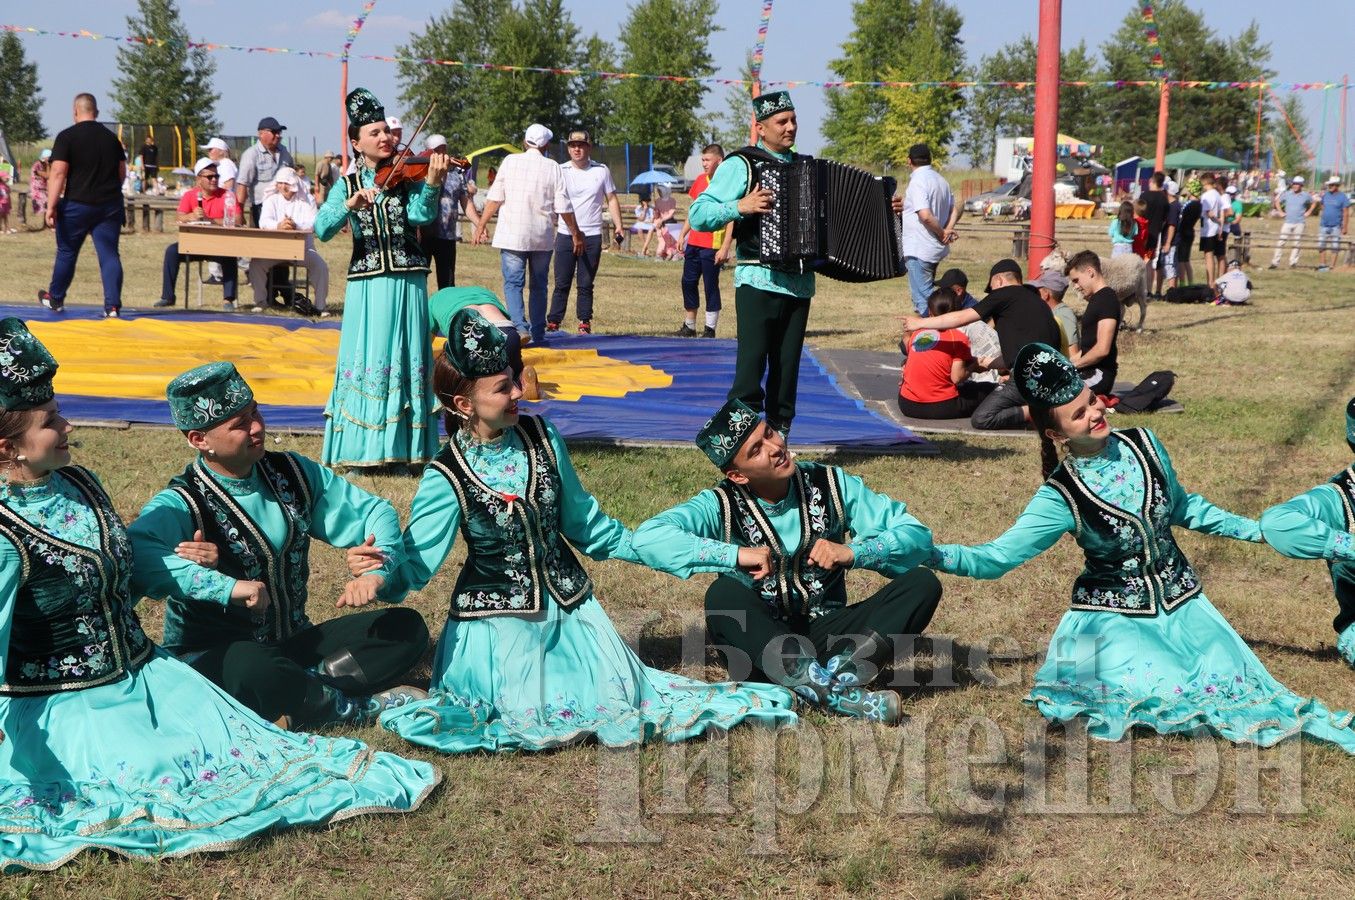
(1264, 388)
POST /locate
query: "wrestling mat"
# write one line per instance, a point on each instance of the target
(642, 391)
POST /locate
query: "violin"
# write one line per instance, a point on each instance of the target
(401, 169)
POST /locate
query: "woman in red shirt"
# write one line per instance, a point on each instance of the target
(933, 384)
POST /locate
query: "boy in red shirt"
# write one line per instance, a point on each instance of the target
(703, 253)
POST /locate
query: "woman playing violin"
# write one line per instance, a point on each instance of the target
(381, 409)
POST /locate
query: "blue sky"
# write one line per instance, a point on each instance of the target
(805, 34)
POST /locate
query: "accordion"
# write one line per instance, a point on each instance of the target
(826, 217)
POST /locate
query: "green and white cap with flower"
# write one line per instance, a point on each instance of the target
(475, 346)
(26, 368)
(726, 431)
(768, 105)
(204, 397)
(1044, 377)
(363, 108)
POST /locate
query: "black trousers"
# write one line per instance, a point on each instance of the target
(441, 254)
(771, 336)
(567, 268)
(755, 644)
(275, 680)
(1000, 409)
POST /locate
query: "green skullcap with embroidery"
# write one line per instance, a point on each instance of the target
(722, 436)
(26, 368)
(204, 397)
(475, 346)
(364, 108)
(1044, 377)
(770, 104)
(1350, 423)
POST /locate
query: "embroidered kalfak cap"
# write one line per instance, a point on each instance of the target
(205, 397)
(26, 367)
(726, 431)
(364, 108)
(1044, 377)
(475, 346)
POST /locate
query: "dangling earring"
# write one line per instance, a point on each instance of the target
(211, 452)
(19, 457)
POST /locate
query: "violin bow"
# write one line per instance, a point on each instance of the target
(404, 153)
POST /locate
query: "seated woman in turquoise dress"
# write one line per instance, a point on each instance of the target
(1320, 524)
(1141, 645)
(528, 659)
(108, 741)
(380, 411)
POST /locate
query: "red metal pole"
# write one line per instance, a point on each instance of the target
(1046, 138)
(343, 116)
(1164, 102)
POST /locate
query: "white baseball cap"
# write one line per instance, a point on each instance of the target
(1298, 179)
(286, 175)
(215, 144)
(203, 163)
(537, 135)
(433, 141)
(393, 122)
(1335, 179)
(1171, 187)
(1230, 189)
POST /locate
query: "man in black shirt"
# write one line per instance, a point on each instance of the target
(1155, 211)
(1185, 235)
(1020, 317)
(1097, 356)
(85, 187)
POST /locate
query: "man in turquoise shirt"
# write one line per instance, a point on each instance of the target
(770, 305)
(243, 625)
(781, 534)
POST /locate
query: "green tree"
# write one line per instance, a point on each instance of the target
(540, 35)
(731, 126)
(165, 81)
(595, 98)
(1218, 122)
(992, 112)
(21, 99)
(1289, 152)
(894, 40)
(664, 37)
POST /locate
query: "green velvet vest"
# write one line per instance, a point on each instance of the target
(385, 240)
(74, 625)
(1133, 565)
(246, 555)
(515, 551)
(1343, 571)
(797, 588)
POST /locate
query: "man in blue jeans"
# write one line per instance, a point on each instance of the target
(928, 228)
(85, 186)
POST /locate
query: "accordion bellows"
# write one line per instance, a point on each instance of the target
(829, 218)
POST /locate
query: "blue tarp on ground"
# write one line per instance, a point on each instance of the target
(701, 369)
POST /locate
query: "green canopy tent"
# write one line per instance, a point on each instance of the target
(1194, 159)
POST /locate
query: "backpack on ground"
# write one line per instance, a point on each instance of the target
(1147, 394)
(1189, 293)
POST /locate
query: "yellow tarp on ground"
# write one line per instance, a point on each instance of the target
(136, 358)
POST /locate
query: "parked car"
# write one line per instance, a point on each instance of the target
(680, 184)
(979, 202)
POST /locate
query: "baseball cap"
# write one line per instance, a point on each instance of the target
(214, 144)
(286, 175)
(578, 136)
(268, 123)
(537, 135)
(952, 277)
(1230, 189)
(393, 122)
(1003, 265)
(330, 154)
(1335, 179)
(1171, 187)
(1052, 280)
(1298, 179)
(203, 163)
(433, 141)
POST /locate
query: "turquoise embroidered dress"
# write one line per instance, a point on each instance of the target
(505, 679)
(125, 748)
(1150, 649)
(1320, 524)
(382, 407)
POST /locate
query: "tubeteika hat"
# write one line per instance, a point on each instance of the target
(1044, 377)
(726, 431)
(205, 397)
(363, 108)
(475, 346)
(26, 367)
(769, 105)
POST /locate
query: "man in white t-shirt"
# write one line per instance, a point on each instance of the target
(929, 216)
(529, 198)
(1211, 228)
(589, 185)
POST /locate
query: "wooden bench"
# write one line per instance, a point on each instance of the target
(152, 208)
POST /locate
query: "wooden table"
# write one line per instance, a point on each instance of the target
(201, 240)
